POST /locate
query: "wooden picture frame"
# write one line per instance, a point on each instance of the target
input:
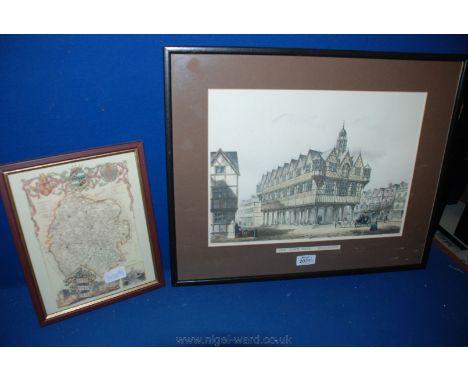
(83, 227)
(234, 117)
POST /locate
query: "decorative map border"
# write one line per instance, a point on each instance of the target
(76, 179)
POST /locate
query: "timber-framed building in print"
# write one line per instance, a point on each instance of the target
(316, 188)
(224, 184)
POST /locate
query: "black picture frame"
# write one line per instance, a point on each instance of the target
(171, 53)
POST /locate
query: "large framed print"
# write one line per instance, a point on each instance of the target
(289, 163)
(84, 228)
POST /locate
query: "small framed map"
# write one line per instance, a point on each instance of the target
(84, 228)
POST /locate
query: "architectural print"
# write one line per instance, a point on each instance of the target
(317, 188)
(347, 190)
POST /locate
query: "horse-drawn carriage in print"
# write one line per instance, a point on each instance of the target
(245, 232)
(362, 220)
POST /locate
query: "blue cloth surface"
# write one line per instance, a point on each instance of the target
(412, 308)
(67, 93)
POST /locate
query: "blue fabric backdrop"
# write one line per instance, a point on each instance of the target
(68, 93)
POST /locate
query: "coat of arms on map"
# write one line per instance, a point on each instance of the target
(84, 228)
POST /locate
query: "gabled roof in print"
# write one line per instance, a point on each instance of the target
(345, 155)
(327, 153)
(342, 156)
(313, 154)
(230, 156)
(290, 167)
(356, 155)
(278, 172)
(273, 175)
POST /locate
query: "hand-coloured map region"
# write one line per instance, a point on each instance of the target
(85, 231)
(83, 218)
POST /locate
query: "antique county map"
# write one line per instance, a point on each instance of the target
(83, 219)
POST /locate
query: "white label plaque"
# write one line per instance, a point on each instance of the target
(305, 260)
(309, 249)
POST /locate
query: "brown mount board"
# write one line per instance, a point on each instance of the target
(190, 72)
